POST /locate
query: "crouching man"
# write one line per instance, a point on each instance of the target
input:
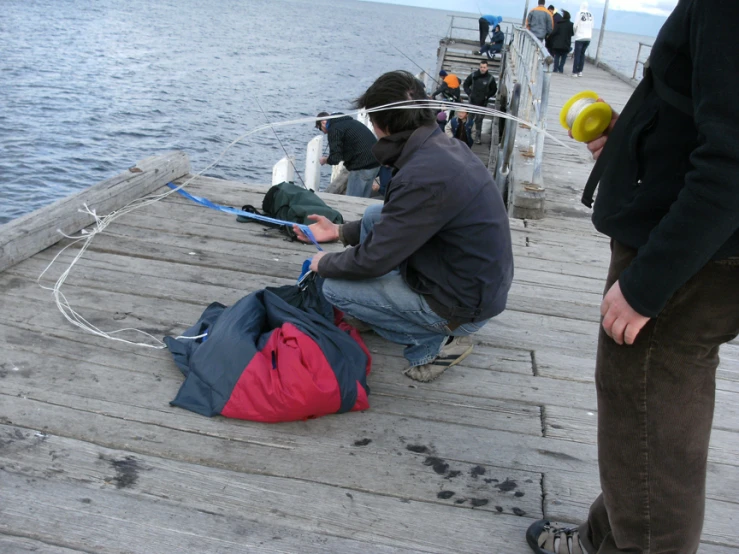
(434, 263)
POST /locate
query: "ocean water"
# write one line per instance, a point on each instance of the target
(89, 88)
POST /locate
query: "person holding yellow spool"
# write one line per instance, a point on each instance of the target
(667, 173)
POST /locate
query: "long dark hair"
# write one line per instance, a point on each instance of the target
(396, 86)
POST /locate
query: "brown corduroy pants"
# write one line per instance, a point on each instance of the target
(655, 411)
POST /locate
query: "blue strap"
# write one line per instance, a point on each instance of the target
(208, 204)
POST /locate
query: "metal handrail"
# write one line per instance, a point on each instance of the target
(534, 71)
(638, 56)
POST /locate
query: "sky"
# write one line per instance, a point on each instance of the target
(641, 17)
(653, 7)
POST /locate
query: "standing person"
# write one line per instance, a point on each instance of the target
(669, 199)
(460, 128)
(583, 33)
(540, 21)
(561, 41)
(556, 18)
(449, 87)
(351, 141)
(484, 23)
(480, 87)
(434, 263)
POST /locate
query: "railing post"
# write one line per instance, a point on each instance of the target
(542, 124)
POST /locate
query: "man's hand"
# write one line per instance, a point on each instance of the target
(596, 145)
(620, 321)
(315, 260)
(323, 160)
(323, 230)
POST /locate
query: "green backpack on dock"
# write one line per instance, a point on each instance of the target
(289, 202)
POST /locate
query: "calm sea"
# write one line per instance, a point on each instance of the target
(89, 88)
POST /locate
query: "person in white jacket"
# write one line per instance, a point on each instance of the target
(583, 25)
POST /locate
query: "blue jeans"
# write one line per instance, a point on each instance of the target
(580, 47)
(392, 309)
(360, 182)
(559, 61)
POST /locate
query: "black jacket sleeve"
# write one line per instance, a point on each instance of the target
(467, 86)
(401, 231)
(335, 146)
(706, 212)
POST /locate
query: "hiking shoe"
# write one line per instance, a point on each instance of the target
(548, 538)
(451, 354)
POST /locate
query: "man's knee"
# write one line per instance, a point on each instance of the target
(372, 212)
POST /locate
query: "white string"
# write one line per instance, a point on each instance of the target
(86, 236)
(576, 109)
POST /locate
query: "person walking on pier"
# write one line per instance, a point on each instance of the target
(668, 177)
(480, 87)
(583, 27)
(434, 263)
(540, 21)
(560, 42)
(351, 141)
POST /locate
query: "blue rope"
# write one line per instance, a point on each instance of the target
(208, 204)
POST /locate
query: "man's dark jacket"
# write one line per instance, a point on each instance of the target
(480, 87)
(671, 188)
(350, 141)
(443, 224)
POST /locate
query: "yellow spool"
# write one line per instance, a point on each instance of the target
(592, 120)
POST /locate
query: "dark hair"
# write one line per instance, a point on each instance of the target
(396, 86)
(550, 7)
(318, 122)
(565, 15)
(483, 61)
(542, 2)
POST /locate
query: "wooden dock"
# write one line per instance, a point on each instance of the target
(94, 459)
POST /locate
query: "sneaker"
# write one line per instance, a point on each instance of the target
(451, 354)
(477, 52)
(575, 75)
(547, 538)
(579, 74)
(478, 141)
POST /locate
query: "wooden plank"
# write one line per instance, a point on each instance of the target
(417, 463)
(581, 426)
(314, 515)
(23, 237)
(19, 545)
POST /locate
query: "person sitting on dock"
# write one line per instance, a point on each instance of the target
(449, 87)
(460, 127)
(434, 263)
(496, 43)
(540, 21)
(480, 87)
(667, 173)
(351, 141)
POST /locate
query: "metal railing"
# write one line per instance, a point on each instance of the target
(533, 70)
(638, 58)
(466, 28)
